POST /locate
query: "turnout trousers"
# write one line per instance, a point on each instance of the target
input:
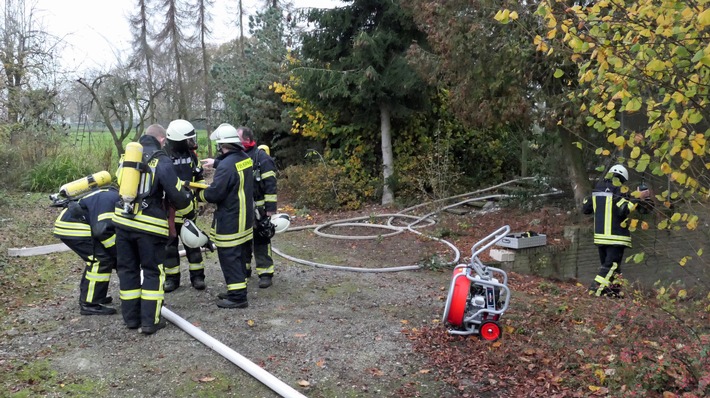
(232, 260)
(172, 258)
(610, 257)
(93, 287)
(261, 249)
(140, 302)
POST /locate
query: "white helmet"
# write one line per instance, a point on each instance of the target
(180, 130)
(226, 134)
(620, 170)
(281, 222)
(191, 236)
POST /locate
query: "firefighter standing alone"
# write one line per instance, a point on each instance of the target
(611, 208)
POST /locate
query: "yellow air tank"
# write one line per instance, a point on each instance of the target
(266, 149)
(84, 185)
(130, 175)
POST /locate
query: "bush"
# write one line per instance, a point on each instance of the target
(326, 186)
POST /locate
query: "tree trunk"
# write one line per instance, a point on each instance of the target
(387, 157)
(579, 180)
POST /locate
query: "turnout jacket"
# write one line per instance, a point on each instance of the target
(162, 183)
(188, 168)
(611, 209)
(91, 217)
(264, 179)
(232, 191)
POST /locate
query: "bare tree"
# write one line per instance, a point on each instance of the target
(143, 52)
(27, 52)
(117, 99)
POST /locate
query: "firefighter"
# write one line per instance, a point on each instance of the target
(265, 207)
(142, 229)
(611, 208)
(86, 226)
(232, 191)
(181, 146)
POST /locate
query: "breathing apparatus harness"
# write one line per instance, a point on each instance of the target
(142, 186)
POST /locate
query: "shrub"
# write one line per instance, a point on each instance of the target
(326, 186)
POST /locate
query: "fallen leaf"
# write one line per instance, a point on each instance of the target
(206, 379)
(303, 383)
(321, 363)
(250, 322)
(299, 335)
(424, 371)
(404, 321)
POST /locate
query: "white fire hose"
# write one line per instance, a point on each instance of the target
(248, 366)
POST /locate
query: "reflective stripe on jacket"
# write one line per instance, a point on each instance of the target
(152, 215)
(232, 191)
(611, 210)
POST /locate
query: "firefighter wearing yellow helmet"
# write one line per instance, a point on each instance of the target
(142, 230)
(181, 146)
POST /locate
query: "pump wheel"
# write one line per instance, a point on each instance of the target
(459, 299)
(490, 331)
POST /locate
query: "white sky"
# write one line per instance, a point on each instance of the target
(97, 31)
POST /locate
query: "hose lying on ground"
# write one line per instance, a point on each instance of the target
(412, 227)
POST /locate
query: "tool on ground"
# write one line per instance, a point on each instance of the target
(477, 298)
(78, 188)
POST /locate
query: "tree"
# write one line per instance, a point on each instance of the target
(243, 82)
(118, 100)
(171, 36)
(203, 21)
(27, 55)
(143, 51)
(355, 63)
(652, 58)
(498, 83)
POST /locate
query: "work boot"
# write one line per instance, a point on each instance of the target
(199, 283)
(106, 300)
(133, 325)
(227, 303)
(248, 273)
(170, 285)
(265, 281)
(95, 309)
(153, 328)
(223, 296)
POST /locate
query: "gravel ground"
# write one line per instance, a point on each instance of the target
(325, 333)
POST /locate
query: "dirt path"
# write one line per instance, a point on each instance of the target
(325, 333)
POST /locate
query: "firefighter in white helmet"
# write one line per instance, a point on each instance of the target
(611, 208)
(232, 191)
(181, 146)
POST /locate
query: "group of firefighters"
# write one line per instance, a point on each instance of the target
(142, 232)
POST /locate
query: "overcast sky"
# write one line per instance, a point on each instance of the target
(95, 29)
